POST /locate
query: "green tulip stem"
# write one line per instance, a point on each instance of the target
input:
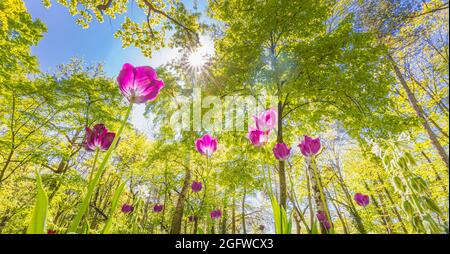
(84, 205)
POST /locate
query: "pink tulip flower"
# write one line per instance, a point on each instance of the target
(215, 214)
(309, 146)
(257, 137)
(126, 208)
(192, 218)
(361, 199)
(139, 84)
(326, 224)
(281, 151)
(158, 208)
(196, 186)
(321, 216)
(206, 145)
(98, 138)
(266, 120)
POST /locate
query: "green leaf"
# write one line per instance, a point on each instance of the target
(315, 229)
(39, 218)
(432, 205)
(407, 207)
(83, 207)
(398, 184)
(276, 214)
(114, 205)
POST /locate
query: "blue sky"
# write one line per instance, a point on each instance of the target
(65, 39)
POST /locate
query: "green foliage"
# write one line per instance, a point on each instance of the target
(18, 31)
(324, 61)
(39, 217)
(421, 210)
(114, 205)
(283, 225)
(163, 17)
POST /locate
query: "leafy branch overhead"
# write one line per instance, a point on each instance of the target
(294, 117)
(163, 18)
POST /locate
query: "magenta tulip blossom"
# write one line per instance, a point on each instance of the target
(51, 232)
(281, 151)
(206, 145)
(98, 138)
(361, 199)
(215, 214)
(158, 208)
(326, 224)
(309, 146)
(192, 218)
(196, 186)
(266, 120)
(321, 216)
(257, 137)
(139, 84)
(126, 208)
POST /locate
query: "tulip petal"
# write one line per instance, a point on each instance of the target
(315, 146)
(126, 80)
(150, 93)
(199, 146)
(107, 140)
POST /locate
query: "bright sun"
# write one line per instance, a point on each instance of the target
(197, 59)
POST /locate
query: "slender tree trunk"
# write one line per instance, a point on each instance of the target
(438, 177)
(8, 160)
(13, 139)
(341, 218)
(379, 211)
(195, 226)
(244, 229)
(394, 208)
(224, 221)
(297, 223)
(386, 213)
(338, 211)
(420, 113)
(281, 164)
(233, 216)
(145, 216)
(433, 96)
(315, 187)
(178, 215)
(354, 212)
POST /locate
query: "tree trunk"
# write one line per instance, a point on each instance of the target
(353, 211)
(394, 208)
(281, 165)
(244, 229)
(297, 223)
(385, 213)
(338, 211)
(420, 113)
(2, 173)
(315, 187)
(379, 211)
(178, 215)
(195, 226)
(233, 216)
(224, 221)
